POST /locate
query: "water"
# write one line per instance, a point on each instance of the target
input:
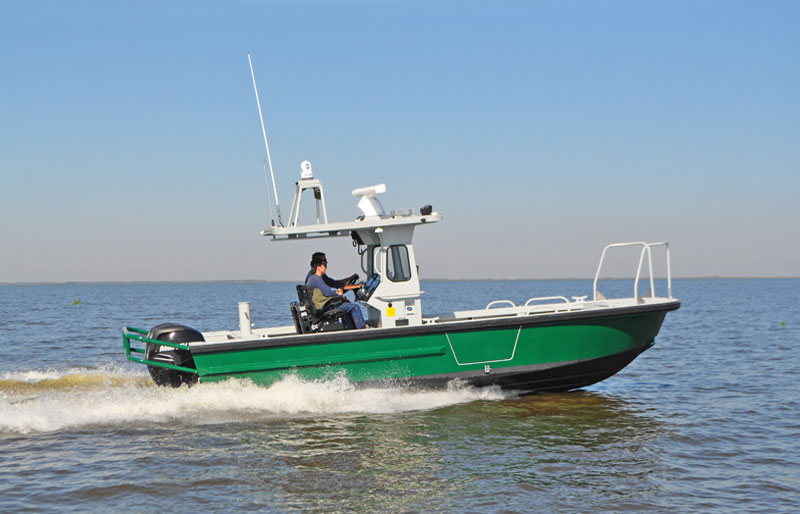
(707, 420)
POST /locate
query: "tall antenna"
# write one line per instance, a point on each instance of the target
(269, 199)
(264, 131)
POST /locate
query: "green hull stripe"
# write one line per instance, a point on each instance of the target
(335, 360)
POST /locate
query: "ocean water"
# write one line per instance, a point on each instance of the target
(707, 420)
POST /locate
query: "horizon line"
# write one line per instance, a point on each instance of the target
(267, 281)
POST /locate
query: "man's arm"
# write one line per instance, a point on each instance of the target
(343, 284)
(336, 284)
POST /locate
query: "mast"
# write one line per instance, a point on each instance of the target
(269, 198)
(266, 144)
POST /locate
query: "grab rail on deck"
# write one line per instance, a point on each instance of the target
(498, 302)
(646, 249)
(528, 303)
(543, 298)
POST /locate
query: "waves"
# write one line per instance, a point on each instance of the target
(47, 401)
(34, 382)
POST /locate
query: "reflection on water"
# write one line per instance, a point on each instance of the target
(436, 460)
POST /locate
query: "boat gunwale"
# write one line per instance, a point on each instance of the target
(348, 336)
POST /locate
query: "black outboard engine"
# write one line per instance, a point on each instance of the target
(174, 333)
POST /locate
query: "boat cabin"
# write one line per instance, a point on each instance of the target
(391, 291)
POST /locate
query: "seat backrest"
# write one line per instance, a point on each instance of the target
(304, 296)
(298, 325)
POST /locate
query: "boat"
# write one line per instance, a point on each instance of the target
(545, 344)
(549, 343)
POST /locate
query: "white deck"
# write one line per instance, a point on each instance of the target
(490, 312)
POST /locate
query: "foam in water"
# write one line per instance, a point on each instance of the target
(49, 401)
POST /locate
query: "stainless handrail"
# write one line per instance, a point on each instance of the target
(646, 248)
(498, 302)
(527, 303)
(542, 298)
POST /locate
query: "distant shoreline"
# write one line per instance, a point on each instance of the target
(259, 281)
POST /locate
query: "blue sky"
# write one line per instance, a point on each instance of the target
(130, 145)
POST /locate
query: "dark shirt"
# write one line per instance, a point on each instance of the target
(336, 284)
(319, 283)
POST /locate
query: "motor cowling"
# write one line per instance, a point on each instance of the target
(173, 333)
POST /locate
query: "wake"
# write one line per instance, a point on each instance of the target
(47, 401)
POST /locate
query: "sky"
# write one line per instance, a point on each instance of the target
(131, 148)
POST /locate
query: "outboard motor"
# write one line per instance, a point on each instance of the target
(174, 333)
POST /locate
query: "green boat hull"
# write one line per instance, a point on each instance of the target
(528, 354)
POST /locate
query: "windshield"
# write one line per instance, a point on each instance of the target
(398, 268)
(369, 258)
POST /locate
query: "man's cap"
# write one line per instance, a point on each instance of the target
(316, 261)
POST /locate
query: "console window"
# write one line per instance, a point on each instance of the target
(369, 258)
(397, 264)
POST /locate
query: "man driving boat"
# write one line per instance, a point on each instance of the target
(324, 293)
(345, 284)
